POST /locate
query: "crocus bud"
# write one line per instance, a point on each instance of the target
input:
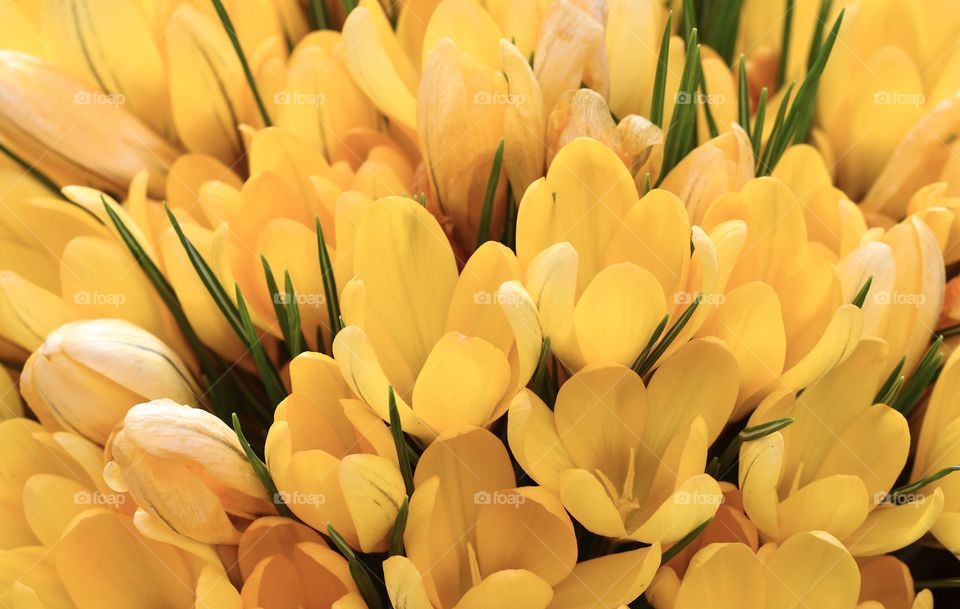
(88, 374)
(73, 134)
(186, 467)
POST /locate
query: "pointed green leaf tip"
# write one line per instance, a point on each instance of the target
(483, 232)
(260, 469)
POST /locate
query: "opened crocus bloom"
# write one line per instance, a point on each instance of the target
(413, 325)
(475, 540)
(627, 461)
(833, 469)
(333, 460)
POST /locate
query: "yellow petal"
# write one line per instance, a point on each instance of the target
(725, 576)
(891, 527)
(837, 504)
(587, 500)
(524, 121)
(102, 546)
(873, 447)
(600, 416)
(215, 590)
(404, 585)
(814, 567)
(617, 313)
(404, 260)
(208, 95)
(610, 581)
(694, 502)
(750, 323)
(463, 370)
(507, 589)
(535, 442)
(373, 490)
(526, 529)
(583, 200)
(761, 462)
(378, 65)
(655, 234)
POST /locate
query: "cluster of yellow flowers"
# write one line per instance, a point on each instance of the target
(479, 304)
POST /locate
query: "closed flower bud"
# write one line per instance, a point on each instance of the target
(88, 374)
(185, 466)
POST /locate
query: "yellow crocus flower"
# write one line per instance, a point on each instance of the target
(892, 63)
(926, 154)
(937, 449)
(332, 459)
(102, 146)
(185, 467)
(626, 460)
(88, 374)
(65, 532)
(810, 569)
(833, 468)
(886, 582)
(283, 563)
(604, 265)
(473, 540)
(455, 349)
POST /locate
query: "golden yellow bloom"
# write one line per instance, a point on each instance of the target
(187, 468)
(812, 569)
(70, 541)
(332, 459)
(103, 146)
(937, 449)
(603, 265)
(886, 580)
(286, 564)
(455, 350)
(833, 468)
(88, 374)
(627, 461)
(927, 154)
(474, 541)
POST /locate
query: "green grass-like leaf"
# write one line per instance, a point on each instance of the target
(330, 292)
(861, 296)
(483, 233)
(660, 78)
(685, 541)
(247, 73)
(359, 571)
(756, 136)
(400, 443)
(681, 134)
(399, 527)
(743, 98)
(925, 373)
(260, 469)
(268, 372)
(644, 367)
(785, 43)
